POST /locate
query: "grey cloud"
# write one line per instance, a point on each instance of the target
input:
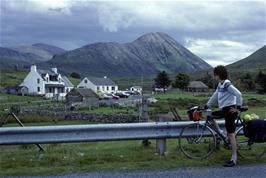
(76, 24)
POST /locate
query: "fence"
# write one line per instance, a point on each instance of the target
(98, 132)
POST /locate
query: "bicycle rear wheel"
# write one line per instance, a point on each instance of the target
(197, 141)
(247, 149)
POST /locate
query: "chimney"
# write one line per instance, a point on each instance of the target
(33, 68)
(54, 69)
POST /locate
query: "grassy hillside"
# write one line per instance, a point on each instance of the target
(252, 64)
(11, 77)
(256, 60)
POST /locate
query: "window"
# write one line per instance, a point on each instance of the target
(98, 88)
(113, 88)
(102, 87)
(38, 80)
(38, 89)
(107, 88)
(85, 81)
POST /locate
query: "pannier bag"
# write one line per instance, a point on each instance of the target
(255, 130)
(194, 114)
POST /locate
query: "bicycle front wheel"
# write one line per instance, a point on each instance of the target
(197, 141)
(248, 149)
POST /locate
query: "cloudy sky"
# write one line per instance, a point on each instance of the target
(220, 32)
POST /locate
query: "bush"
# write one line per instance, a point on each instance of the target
(75, 75)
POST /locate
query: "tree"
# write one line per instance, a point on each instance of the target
(182, 80)
(75, 75)
(162, 80)
(247, 82)
(208, 80)
(261, 81)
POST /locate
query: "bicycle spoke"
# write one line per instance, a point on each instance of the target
(196, 141)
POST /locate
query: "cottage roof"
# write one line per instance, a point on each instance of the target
(86, 92)
(67, 82)
(15, 87)
(44, 72)
(197, 84)
(101, 81)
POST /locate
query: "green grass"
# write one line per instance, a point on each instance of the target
(9, 98)
(74, 81)
(11, 77)
(111, 156)
(182, 100)
(48, 123)
(100, 156)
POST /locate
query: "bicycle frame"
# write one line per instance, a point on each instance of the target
(208, 122)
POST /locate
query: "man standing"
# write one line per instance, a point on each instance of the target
(229, 100)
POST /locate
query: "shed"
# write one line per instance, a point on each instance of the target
(19, 90)
(197, 86)
(82, 97)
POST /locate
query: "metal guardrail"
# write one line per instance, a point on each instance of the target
(88, 133)
(98, 132)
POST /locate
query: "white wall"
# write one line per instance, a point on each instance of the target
(31, 82)
(90, 85)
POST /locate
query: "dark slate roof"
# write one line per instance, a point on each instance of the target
(44, 72)
(86, 92)
(15, 87)
(197, 84)
(101, 81)
(67, 82)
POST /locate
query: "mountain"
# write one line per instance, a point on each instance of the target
(255, 60)
(10, 58)
(251, 64)
(42, 52)
(146, 55)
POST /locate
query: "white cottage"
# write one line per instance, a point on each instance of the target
(48, 83)
(99, 85)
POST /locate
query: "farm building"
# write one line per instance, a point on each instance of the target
(99, 85)
(197, 86)
(83, 97)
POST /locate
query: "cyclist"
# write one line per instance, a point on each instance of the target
(229, 100)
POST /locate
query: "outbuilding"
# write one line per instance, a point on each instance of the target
(197, 86)
(82, 97)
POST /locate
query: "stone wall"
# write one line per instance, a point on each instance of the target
(92, 117)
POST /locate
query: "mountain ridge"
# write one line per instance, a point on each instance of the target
(146, 55)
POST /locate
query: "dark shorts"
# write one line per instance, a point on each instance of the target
(229, 118)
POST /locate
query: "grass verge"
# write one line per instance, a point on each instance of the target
(101, 156)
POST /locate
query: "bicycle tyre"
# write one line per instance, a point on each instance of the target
(247, 149)
(195, 142)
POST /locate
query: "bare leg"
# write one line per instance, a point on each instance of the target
(232, 139)
(215, 124)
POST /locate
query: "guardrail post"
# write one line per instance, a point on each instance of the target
(161, 146)
(161, 142)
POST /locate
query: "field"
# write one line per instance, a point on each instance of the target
(100, 156)
(113, 156)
